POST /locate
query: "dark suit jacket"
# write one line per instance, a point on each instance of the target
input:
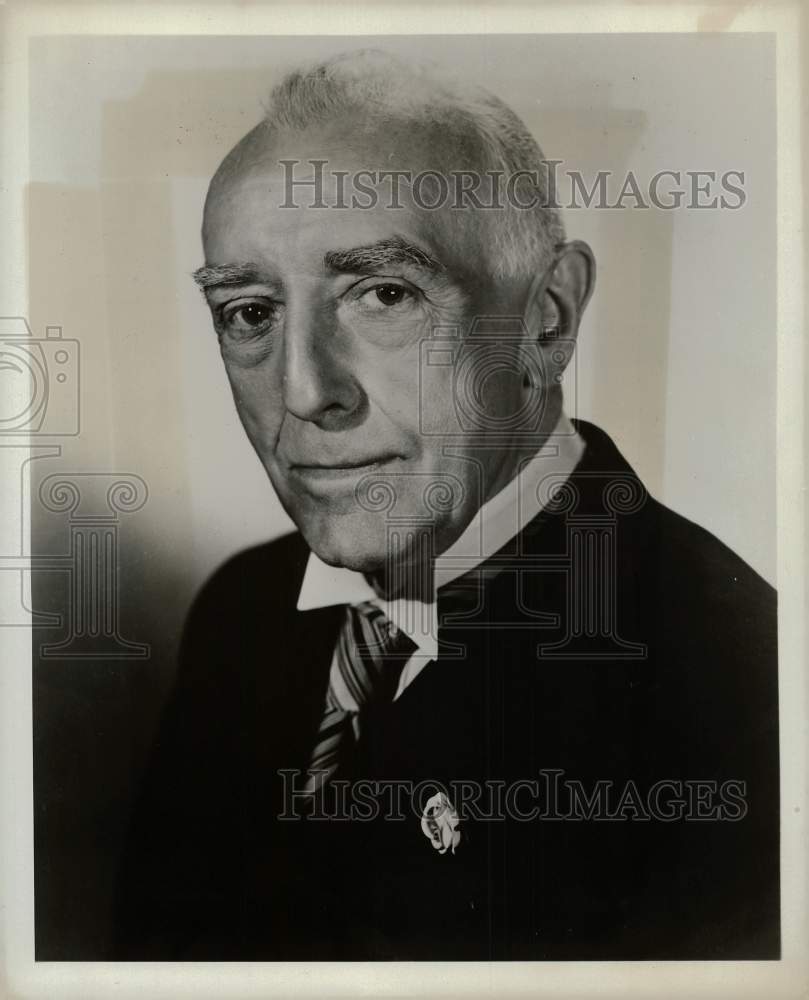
(619, 643)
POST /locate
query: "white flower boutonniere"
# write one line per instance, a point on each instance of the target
(440, 822)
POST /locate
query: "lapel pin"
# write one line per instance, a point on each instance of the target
(439, 823)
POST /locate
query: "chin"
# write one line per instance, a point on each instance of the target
(347, 546)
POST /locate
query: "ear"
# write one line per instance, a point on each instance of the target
(557, 298)
(554, 307)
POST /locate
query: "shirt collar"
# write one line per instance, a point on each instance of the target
(499, 520)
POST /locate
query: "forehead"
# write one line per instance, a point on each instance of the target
(295, 194)
(350, 143)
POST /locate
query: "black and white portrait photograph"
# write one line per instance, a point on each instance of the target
(403, 428)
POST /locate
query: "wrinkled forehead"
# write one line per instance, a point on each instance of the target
(343, 176)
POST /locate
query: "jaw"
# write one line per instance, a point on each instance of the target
(357, 541)
(391, 526)
(397, 556)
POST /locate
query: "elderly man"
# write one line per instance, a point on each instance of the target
(491, 700)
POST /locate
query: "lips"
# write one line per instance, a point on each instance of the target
(343, 465)
(342, 475)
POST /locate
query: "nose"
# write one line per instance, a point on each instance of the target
(319, 385)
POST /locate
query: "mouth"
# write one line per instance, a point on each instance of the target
(324, 473)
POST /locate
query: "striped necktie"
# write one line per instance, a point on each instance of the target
(370, 655)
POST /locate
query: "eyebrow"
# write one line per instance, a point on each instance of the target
(221, 275)
(357, 260)
(367, 259)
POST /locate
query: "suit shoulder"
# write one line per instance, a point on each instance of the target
(712, 621)
(244, 595)
(272, 569)
(707, 568)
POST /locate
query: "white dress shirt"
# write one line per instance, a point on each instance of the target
(498, 520)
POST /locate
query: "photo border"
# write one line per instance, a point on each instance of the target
(21, 975)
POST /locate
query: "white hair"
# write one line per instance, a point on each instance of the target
(481, 131)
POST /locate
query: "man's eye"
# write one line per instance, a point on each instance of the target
(248, 316)
(391, 295)
(380, 298)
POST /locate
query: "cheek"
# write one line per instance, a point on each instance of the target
(399, 393)
(500, 391)
(457, 400)
(489, 387)
(433, 398)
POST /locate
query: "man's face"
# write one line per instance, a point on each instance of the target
(323, 317)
